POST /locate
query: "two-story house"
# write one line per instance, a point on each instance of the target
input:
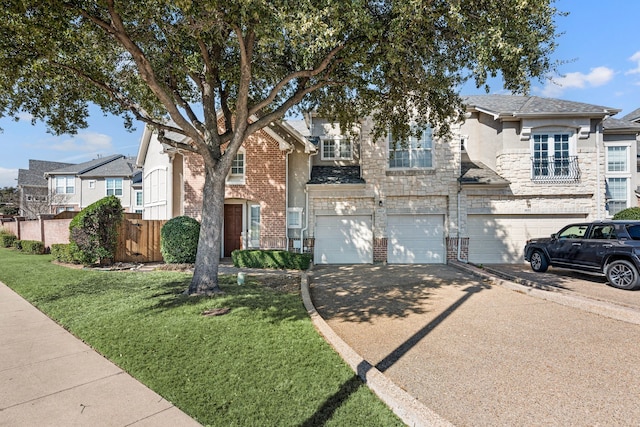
(33, 189)
(518, 167)
(75, 187)
(264, 194)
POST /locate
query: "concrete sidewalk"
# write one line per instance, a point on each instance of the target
(50, 378)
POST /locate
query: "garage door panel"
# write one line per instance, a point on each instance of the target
(495, 239)
(343, 240)
(415, 239)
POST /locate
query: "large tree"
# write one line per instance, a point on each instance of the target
(217, 71)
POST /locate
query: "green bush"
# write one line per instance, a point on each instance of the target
(17, 244)
(62, 252)
(94, 232)
(629, 213)
(32, 247)
(277, 259)
(179, 240)
(7, 239)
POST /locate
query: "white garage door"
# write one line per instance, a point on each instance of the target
(415, 239)
(343, 240)
(495, 239)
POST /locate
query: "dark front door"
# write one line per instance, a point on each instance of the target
(232, 229)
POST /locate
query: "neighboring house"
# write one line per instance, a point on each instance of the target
(264, 195)
(75, 187)
(33, 190)
(518, 167)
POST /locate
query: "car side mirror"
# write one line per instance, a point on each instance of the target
(554, 236)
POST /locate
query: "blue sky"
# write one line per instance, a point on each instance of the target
(599, 44)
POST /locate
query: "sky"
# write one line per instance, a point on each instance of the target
(598, 46)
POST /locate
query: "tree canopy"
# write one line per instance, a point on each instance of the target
(182, 65)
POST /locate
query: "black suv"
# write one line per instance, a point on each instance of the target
(608, 247)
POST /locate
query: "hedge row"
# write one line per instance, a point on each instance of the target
(276, 259)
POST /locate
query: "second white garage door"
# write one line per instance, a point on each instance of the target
(415, 239)
(495, 239)
(343, 240)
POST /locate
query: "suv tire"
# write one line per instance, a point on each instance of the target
(622, 274)
(539, 262)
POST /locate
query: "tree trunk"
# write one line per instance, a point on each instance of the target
(205, 276)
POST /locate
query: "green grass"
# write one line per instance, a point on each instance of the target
(261, 364)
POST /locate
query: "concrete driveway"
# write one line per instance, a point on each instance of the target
(558, 279)
(477, 353)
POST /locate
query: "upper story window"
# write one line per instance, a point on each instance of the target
(237, 172)
(618, 177)
(617, 158)
(65, 184)
(553, 157)
(114, 186)
(294, 218)
(416, 153)
(338, 148)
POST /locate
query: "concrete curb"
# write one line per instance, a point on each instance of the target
(557, 295)
(411, 411)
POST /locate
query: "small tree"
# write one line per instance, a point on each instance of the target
(179, 240)
(94, 231)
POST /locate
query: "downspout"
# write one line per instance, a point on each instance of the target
(286, 194)
(599, 140)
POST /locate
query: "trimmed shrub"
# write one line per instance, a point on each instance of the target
(276, 259)
(17, 244)
(94, 232)
(629, 213)
(7, 239)
(32, 247)
(179, 240)
(62, 252)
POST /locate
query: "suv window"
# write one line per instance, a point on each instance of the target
(634, 231)
(574, 232)
(603, 232)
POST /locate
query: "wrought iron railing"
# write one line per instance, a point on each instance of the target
(555, 169)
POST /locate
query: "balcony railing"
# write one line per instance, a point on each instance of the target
(555, 169)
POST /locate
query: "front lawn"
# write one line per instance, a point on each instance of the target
(261, 364)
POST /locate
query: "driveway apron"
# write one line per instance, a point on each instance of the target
(480, 354)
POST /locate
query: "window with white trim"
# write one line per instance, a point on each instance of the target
(65, 184)
(553, 156)
(138, 199)
(336, 148)
(237, 172)
(294, 218)
(114, 186)
(416, 153)
(618, 177)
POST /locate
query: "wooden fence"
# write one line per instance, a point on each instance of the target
(139, 240)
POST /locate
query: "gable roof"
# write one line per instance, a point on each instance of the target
(514, 106)
(116, 165)
(633, 116)
(34, 176)
(620, 125)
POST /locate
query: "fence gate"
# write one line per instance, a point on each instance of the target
(139, 240)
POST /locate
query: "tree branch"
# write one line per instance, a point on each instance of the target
(298, 74)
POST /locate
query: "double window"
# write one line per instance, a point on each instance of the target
(552, 156)
(414, 153)
(65, 184)
(618, 176)
(114, 186)
(337, 148)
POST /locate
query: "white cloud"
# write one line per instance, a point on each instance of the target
(597, 77)
(86, 142)
(25, 117)
(8, 177)
(635, 58)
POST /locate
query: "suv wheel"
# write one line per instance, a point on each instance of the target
(622, 274)
(538, 262)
